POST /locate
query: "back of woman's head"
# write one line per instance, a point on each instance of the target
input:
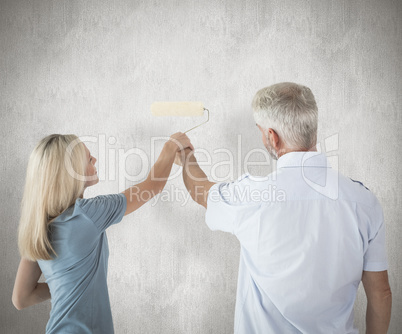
(55, 179)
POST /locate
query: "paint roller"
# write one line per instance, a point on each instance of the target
(179, 109)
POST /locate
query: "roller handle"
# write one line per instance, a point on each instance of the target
(199, 124)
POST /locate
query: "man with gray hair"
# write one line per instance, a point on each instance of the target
(302, 255)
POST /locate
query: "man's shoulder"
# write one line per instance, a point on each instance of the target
(255, 179)
(254, 182)
(356, 191)
(359, 182)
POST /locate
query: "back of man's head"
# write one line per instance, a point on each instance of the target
(289, 109)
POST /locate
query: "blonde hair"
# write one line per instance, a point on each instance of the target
(51, 186)
(289, 109)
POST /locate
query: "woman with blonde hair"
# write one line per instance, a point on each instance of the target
(62, 235)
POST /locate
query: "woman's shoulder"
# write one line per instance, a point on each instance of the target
(97, 202)
(103, 210)
(88, 206)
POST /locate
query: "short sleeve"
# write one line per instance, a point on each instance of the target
(228, 203)
(375, 257)
(104, 210)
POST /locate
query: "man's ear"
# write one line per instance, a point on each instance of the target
(273, 138)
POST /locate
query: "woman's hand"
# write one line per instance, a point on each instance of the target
(181, 141)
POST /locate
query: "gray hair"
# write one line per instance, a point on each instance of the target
(289, 109)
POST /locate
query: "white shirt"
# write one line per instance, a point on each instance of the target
(306, 234)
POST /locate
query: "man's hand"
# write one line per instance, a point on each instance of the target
(182, 156)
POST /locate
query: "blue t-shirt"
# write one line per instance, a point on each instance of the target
(77, 276)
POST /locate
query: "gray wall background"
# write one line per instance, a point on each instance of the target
(93, 68)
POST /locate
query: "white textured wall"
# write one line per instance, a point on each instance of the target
(93, 68)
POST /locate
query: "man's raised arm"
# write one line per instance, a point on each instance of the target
(194, 178)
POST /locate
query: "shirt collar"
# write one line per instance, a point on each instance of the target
(303, 159)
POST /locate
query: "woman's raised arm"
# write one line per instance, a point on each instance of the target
(141, 193)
